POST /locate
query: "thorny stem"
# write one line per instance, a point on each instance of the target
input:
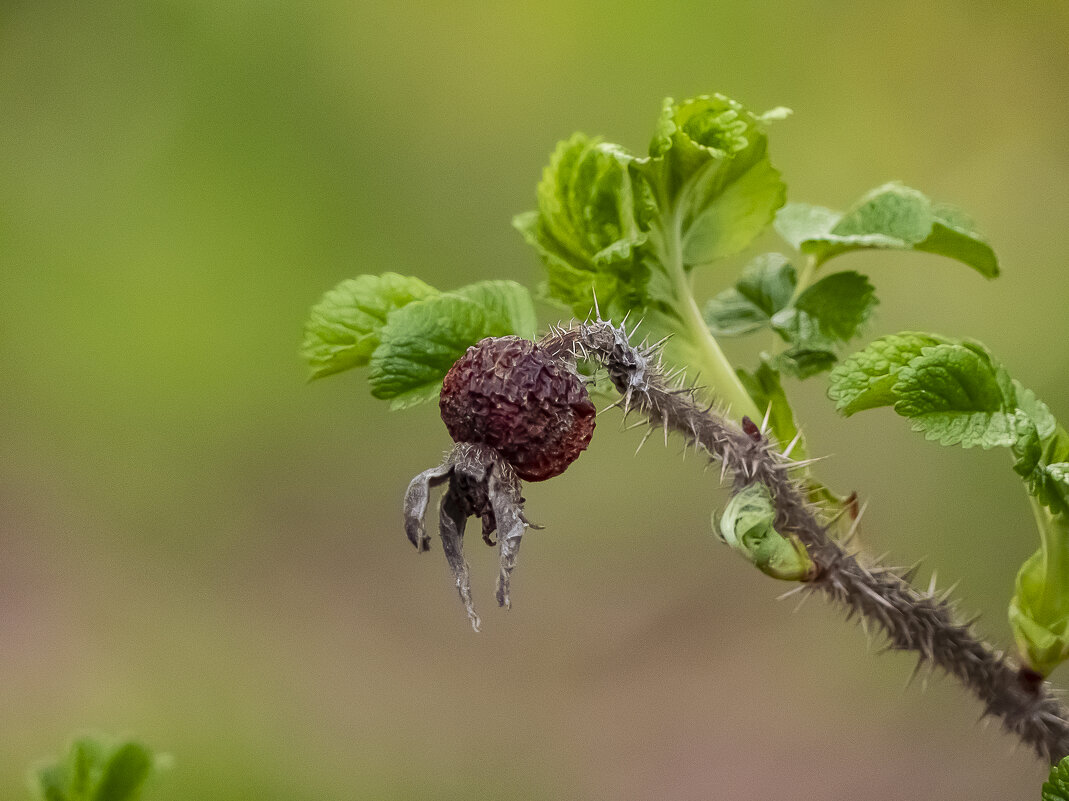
(922, 622)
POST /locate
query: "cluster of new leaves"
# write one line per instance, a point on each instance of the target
(408, 333)
(629, 230)
(956, 393)
(96, 770)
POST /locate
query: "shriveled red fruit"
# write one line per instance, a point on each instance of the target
(531, 407)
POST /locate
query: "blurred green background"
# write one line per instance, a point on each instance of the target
(198, 547)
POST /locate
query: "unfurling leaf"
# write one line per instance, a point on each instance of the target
(587, 227)
(747, 526)
(1039, 612)
(709, 165)
(343, 328)
(891, 217)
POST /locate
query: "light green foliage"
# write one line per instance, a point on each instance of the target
(408, 332)
(824, 316)
(747, 526)
(958, 394)
(890, 217)
(814, 322)
(587, 229)
(96, 770)
(865, 379)
(952, 391)
(710, 172)
(422, 340)
(343, 328)
(1056, 787)
(766, 285)
(628, 230)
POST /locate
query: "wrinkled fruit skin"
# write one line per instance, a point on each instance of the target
(531, 407)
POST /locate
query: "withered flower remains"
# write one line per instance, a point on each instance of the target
(515, 411)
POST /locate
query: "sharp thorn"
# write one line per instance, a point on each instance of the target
(768, 415)
(642, 442)
(797, 438)
(793, 591)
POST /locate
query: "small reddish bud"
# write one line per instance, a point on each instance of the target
(528, 405)
(751, 430)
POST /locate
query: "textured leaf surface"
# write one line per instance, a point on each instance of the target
(709, 158)
(1056, 787)
(422, 340)
(587, 229)
(343, 328)
(865, 379)
(893, 217)
(957, 395)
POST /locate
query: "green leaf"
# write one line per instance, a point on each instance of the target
(800, 222)
(827, 314)
(766, 286)
(803, 362)
(709, 164)
(50, 783)
(587, 229)
(1056, 787)
(956, 395)
(86, 763)
(507, 306)
(865, 379)
(96, 770)
(747, 526)
(125, 774)
(422, 340)
(890, 217)
(343, 328)
(765, 388)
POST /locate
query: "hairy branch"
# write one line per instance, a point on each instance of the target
(911, 620)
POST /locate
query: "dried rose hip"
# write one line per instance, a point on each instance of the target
(528, 405)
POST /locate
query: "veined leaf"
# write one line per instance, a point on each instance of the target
(765, 287)
(343, 328)
(890, 217)
(587, 229)
(865, 379)
(827, 314)
(957, 395)
(1056, 787)
(421, 341)
(709, 164)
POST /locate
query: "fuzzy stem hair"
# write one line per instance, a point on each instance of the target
(922, 622)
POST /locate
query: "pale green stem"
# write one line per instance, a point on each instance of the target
(716, 371)
(805, 278)
(1053, 529)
